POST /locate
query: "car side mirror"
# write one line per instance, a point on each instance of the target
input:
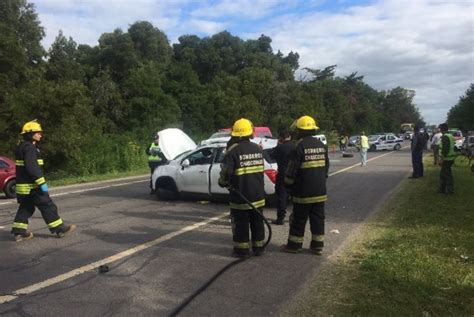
(185, 164)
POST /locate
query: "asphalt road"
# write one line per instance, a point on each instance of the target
(159, 253)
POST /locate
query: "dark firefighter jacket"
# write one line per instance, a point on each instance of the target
(29, 174)
(281, 153)
(307, 171)
(242, 169)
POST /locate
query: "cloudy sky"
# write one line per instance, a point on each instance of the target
(424, 45)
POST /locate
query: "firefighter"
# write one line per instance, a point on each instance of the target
(31, 187)
(306, 177)
(447, 155)
(155, 158)
(242, 170)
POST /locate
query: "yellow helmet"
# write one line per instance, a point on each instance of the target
(31, 126)
(242, 128)
(306, 123)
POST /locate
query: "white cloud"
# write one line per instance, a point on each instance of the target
(249, 8)
(205, 26)
(421, 45)
(424, 45)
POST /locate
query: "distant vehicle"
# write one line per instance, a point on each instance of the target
(194, 171)
(354, 141)
(258, 132)
(407, 126)
(222, 134)
(322, 138)
(458, 138)
(7, 176)
(387, 141)
(408, 135)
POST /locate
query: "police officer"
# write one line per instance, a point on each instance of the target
(306, 177)
(31, 187)
(447, 155)
(242, 171)
(155, 158)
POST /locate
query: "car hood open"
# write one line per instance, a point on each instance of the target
(173, 142)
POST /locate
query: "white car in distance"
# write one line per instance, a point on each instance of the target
(193, 171)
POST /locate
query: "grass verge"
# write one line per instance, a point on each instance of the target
(94, 178)
(413, 258)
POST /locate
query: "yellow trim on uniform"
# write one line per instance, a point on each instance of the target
(310, 200)
(295, 239)
(24, 189)
(40, 181)
(19, 225)
(318, 237)
(259, 243)
(249, 170)
(311, 164)
(22, 162)
(241, 245)
(256, 204)
(55, 224)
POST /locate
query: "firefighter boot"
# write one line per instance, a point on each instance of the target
(258, 251)
(65, 230)
(23, 236)
(287, 249)
(279, 220)
(241, 253)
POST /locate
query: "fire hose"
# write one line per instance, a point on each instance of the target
(186, 302)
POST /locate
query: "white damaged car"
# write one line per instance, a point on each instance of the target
(193, 171)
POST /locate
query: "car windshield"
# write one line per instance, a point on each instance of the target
(373, 137)
(182, 155)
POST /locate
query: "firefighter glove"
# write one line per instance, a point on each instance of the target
(44, 188)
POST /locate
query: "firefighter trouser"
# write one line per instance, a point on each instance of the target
(446, 182)
(48, 209)
(241, 219)
(298, 218)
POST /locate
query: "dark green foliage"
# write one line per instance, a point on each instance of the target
(100, 105)
(461, 116)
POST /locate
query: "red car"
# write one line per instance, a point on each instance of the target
(7, 176)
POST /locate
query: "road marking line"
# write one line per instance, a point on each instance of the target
(84, 190)
(89, 267)
(358, 164)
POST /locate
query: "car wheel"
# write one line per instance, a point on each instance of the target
(10, 189)
(166, 189)
(373, 148)
(397, 147)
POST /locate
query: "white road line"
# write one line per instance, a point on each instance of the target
(89, 267)
(358, 164)
(82, 190)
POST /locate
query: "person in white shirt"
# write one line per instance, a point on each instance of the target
(435, 141)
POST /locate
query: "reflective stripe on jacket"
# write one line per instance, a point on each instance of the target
(447, 141)
(364, 142)
(307, 171)
(242, 168)
(29, 174)
(154, 151)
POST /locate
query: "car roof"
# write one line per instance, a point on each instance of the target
(7, 159)
(266, 143)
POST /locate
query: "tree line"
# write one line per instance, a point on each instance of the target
(101, 105)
